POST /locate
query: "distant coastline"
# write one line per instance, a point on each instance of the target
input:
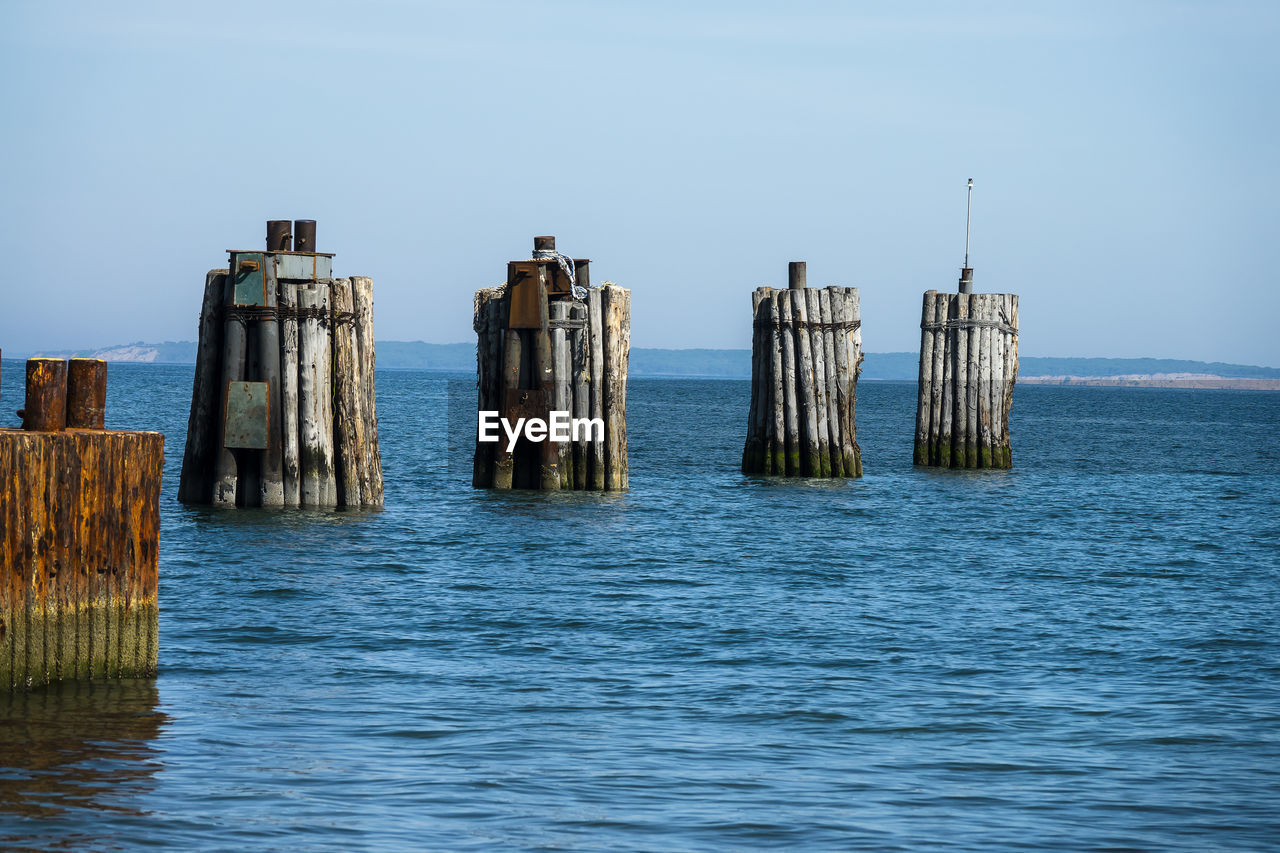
(1157, 381)
(736, 364)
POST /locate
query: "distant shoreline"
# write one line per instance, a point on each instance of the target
(736, 364)
(1213, 382)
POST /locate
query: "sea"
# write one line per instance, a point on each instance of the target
(1080, 653)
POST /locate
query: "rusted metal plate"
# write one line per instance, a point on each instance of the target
(526, 309)
(557, 280)
(525, 403)
(247, 278)
(295, 267)
(246, 422)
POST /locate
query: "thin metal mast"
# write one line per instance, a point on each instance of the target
(968, 211)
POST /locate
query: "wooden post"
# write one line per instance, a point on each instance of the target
(234, 341)
(797, 275)
(544, 380)
(996, 390)
(315, 419)
(827, 333)
(985, 369)
(763, 408)
(945, 416)
(791, 408)
(956, 455)
(595, 340)
(616, 305)
(751, 455)
(971, 389)
(346, 396)
(563, 389)
(372, 490)
(201, 450)
(481, 321)
(1011, 374)
(811, 465)
(581, 368)
(853, 313)
(845, 378)
(290, 464)
(757, 454)
(924, 412)
(813, 330)
(777, 423)
(504, 459)
(498, 307)
(942, 359)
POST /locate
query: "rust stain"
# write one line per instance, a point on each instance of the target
(79, 554)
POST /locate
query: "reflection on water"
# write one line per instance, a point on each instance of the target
(76, 746)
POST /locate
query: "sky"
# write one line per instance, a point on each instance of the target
(1124, 158)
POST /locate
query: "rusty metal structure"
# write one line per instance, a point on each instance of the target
(283, 411)
(549, 342)
(79, 534)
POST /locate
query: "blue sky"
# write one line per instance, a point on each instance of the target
(1124, 156)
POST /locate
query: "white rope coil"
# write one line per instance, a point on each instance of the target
(566, 264)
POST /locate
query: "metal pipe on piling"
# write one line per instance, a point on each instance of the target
(279, 235)
(86, 393)
(45, 409)
(304, 235)
(797, 275)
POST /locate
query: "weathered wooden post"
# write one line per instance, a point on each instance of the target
(806, 355)
(79, 534)
(968, 367)
(282, 403)
(552, 349)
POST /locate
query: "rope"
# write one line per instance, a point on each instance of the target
(253, 313)
(249, 313)
(566, 264)
(846, 326)
(969, 324)
(567, 323)
(314, 313)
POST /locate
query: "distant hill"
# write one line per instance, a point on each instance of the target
(722, 363)
(169, 352)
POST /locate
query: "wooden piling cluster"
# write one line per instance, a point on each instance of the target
(79, 534)
(283, 410)
(806, 355)
(968, 367)
(547, 343)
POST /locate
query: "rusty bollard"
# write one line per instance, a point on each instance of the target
(46, 406)
(86, 393)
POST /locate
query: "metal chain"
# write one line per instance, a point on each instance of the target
(969, 324)
(846, 326)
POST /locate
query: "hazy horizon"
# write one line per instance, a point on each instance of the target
(1123, 159)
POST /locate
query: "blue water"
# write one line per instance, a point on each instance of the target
(1078, 654)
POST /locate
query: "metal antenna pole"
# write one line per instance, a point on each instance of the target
(966, 272)
(967, 214)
